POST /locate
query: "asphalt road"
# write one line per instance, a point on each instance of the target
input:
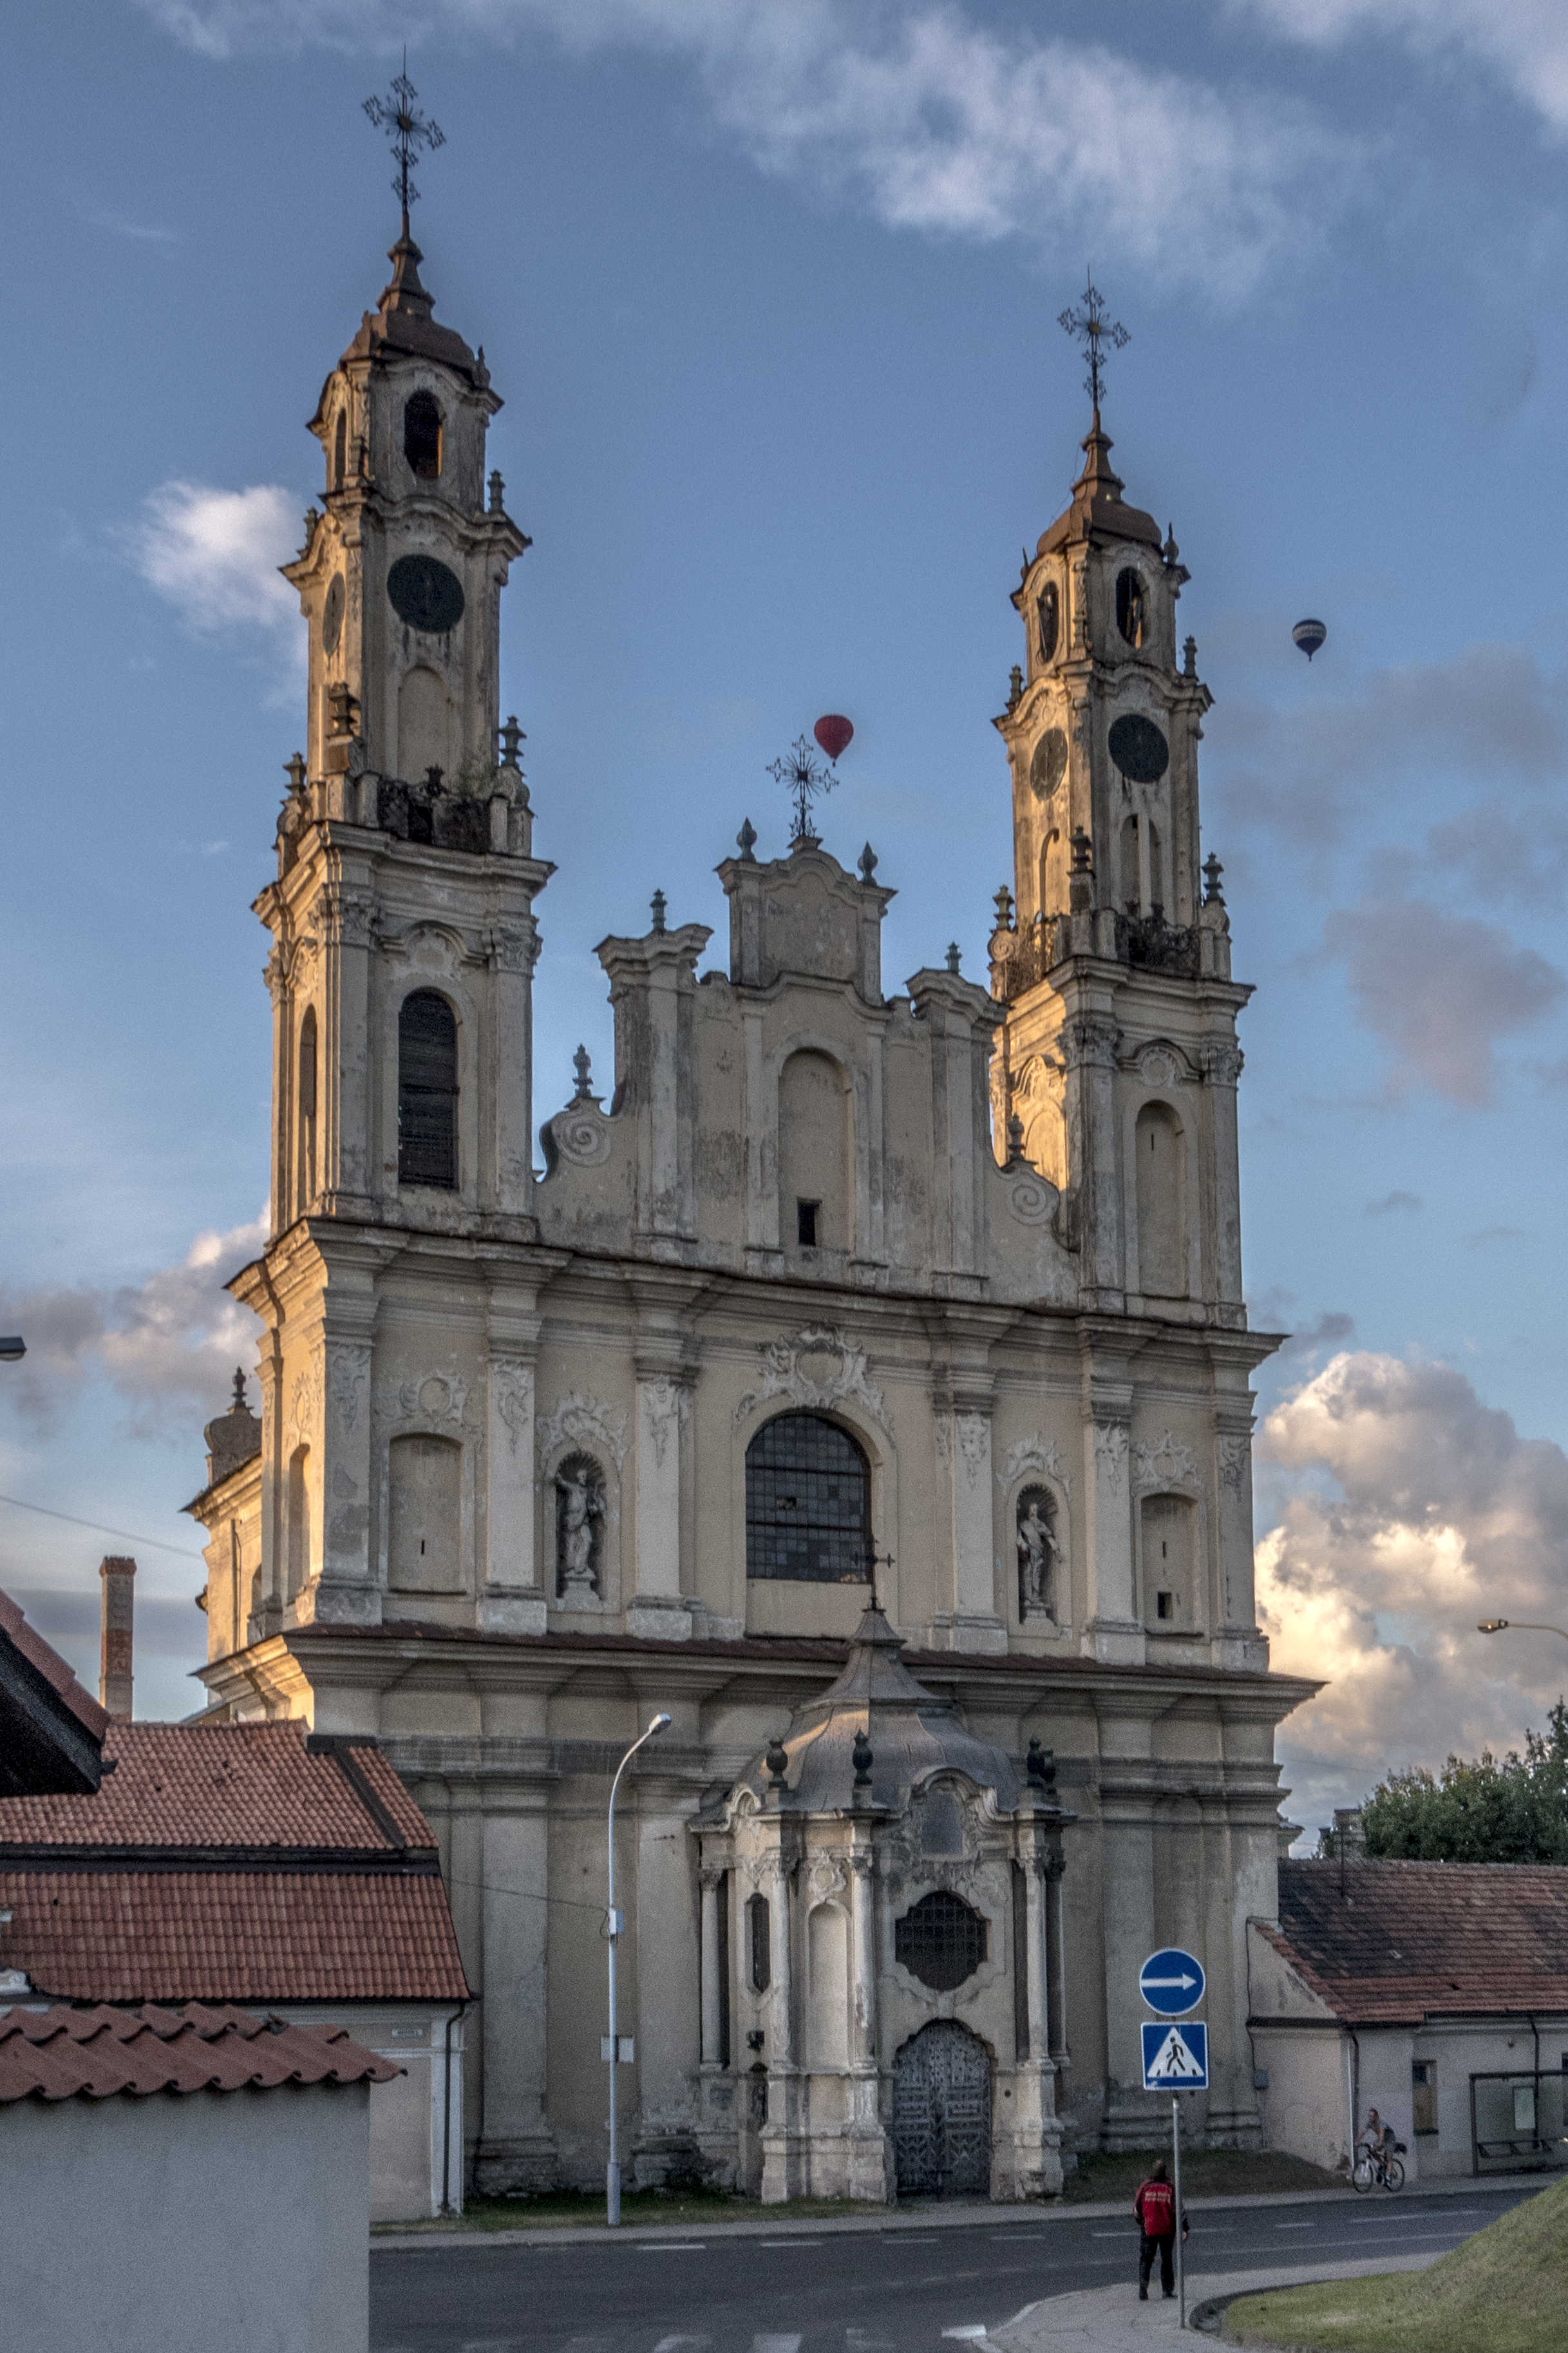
(862, 2292)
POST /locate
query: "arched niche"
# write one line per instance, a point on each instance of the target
(815, 1158)
(425, 1515)
(1160, 1201)
(827, 1987)
(424, 724)
(1170, 1562)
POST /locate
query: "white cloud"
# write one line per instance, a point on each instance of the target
(929, 120)
(170, 1340)
(1411, 1511)
(1523, 43)
(1438, 991)
(215, 555)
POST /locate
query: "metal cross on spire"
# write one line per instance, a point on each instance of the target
(1090, 327)
(409, 130)
(805, 775)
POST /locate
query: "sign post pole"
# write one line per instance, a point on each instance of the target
(1176, 2169)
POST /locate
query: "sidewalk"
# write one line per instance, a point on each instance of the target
(1112, 2319)
(953, 2214)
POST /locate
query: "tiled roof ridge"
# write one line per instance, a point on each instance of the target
(378, 1862)
(1411, 1862)
(63, 2052)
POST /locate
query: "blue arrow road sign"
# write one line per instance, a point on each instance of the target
(1172, 1982)
(1176, 2058)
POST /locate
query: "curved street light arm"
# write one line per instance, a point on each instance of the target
(1518, 1626)
(612, 1931)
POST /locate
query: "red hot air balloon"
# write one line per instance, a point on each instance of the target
(832, 733)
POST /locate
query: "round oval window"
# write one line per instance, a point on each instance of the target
(426, 594)
(1138, 748)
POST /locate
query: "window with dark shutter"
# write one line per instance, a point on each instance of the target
(427, 1092)
(808, 1503)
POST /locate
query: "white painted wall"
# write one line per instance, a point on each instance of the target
(416, 2152)
(177, 2225)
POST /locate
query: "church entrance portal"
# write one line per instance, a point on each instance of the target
(942, 2113)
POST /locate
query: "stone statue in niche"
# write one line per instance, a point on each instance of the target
(579, 1528)
(1037, 1552)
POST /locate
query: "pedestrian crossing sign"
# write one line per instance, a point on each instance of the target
(1176, 2058)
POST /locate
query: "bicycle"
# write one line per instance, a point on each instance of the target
(1373, 2170)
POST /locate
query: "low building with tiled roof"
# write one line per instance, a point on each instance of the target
(144, 2119)
(1435, 1992)
(255, 1863)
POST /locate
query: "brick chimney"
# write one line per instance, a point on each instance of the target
(115, 1677)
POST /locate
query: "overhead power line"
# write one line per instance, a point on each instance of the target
(97, 1528)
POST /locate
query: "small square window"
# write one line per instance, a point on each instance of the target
(805, 1223)
(1165, 1605)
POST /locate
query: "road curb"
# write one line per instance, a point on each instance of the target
(954, 2216)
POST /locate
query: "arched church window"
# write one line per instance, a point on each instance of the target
(1131, 613)
(941, 1940)
(308, 1108)
(808, 1503)
(422, 436)
(427, 1092)
(341, 450)
(1037, 1552)
(1048, 608)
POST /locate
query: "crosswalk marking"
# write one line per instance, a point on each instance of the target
(775, 2345)
(681, 2343)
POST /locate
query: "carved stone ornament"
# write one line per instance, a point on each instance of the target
(513, 1385)
(825, 1878)
(429, 1398)
(667, 1404)
(1091, 1040)
(305, 1407)
(1222, 1062)
(1033, 1200)
(1035, 1455)
(583, 1419)
(818, 1367)
(973, 1443)
(348, 1371)
(1165, 1462)
(1235, 1459)
(1157, 1067)
(1110, 1449)
(580, 1135)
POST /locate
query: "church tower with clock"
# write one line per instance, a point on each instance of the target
(861, 1379)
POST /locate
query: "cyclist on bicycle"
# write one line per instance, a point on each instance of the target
(1377, 2139)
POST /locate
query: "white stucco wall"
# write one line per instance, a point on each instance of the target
(180, 2224)
(415, 2151)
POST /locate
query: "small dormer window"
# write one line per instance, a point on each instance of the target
(422, 436)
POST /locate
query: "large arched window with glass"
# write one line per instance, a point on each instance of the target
(808, 1503)
(427, 1092)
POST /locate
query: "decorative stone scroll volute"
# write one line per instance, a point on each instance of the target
(876, 1800)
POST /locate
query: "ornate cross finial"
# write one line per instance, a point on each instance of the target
(1090, 327)
(409, 130)
(805, 775)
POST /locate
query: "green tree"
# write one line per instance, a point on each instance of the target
(1492, 1809)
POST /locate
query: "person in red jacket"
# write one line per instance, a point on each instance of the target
(1155, 2207)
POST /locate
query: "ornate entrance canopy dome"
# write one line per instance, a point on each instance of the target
(876, 1702)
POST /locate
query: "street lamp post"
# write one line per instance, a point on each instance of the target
(612, 1931)
(1518, 1626)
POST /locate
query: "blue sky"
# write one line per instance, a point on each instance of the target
(771, 294)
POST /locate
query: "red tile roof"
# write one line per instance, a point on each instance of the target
(186, 1785)
(216, 1935)
(229, 1862)
(94, 2055)
(93, 1719)
(1412, 1940)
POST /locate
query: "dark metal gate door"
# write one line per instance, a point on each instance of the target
(942, 2113)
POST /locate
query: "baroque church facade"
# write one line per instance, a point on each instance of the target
(863, 1379)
